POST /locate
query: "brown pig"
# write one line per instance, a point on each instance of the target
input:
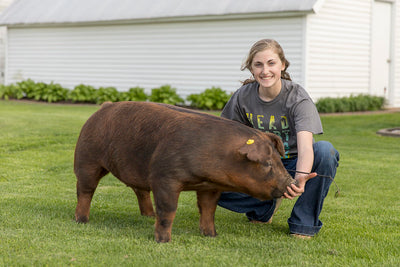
(166, 149)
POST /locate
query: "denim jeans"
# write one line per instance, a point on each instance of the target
(304, 218)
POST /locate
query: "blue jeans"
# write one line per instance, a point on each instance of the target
(304, 218)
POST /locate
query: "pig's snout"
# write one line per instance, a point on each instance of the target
(294, 181)
(288, 180)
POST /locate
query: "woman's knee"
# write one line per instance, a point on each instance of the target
(325, 151)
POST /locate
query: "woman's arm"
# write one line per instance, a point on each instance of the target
(305, 160)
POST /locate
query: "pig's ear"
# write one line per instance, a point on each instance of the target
(277, 142)
(252, 151)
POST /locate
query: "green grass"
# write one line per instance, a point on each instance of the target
(37, 204)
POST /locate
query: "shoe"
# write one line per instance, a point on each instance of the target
(277, 204)
(299, 236)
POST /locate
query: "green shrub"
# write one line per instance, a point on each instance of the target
(211, 99)
(165, 94)
(83, 94)
(41, 91)
(106, 94)
(352, 103)
(27, 87)
(54, 92)
(133, 94)
(11, 91)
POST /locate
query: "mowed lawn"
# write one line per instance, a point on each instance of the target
(38, 198)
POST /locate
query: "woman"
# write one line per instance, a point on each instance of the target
(270, 101)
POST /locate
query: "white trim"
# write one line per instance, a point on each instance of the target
(392, 67)
(5, 39)
(387, 1)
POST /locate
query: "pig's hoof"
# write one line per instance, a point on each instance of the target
(81, 219)
(150, 214)
(162, 237)
(210, 233)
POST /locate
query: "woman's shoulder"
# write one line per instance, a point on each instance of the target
(295, 91)
(247, 89)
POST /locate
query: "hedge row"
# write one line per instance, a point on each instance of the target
(211, 99)
(352, 103)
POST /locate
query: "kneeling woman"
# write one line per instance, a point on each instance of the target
(270, 101)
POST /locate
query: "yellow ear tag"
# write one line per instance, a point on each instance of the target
(250, 141)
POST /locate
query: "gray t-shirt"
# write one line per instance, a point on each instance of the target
(290, 112)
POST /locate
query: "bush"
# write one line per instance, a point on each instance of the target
(211, 99)
(54, 92)
(27, 87)
(350, 104)
(165, 94)
(104, 94)
(83, 94)
(133, 94)
(11, 91)
(40, 91)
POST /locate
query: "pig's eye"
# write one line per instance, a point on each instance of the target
(267, 166)
(268, 163)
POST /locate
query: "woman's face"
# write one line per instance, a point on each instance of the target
(266, 68)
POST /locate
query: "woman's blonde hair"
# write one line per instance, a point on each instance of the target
(261, 46)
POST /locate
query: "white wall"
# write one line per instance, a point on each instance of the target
(189, 56)
(338, 49)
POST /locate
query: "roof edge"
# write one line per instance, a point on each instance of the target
(318, 5)
(164, 19)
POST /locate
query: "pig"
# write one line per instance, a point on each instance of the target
(167, 149)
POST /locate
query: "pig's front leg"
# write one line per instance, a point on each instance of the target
(207, 203)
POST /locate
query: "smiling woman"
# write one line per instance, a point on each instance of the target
(284, 108)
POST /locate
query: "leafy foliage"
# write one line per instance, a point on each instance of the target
(133, 94)
(83, 93)
(212, 99)
(165, 94)
(41, 91)
(104, 94)
(360, 102)
(11, 91)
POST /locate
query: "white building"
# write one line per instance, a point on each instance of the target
(336, 47)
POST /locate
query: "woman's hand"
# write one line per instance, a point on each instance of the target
(295, 191)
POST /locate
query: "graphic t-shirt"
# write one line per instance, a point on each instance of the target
(290, 112)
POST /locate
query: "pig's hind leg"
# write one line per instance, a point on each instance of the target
(88, 179)
(145, 204)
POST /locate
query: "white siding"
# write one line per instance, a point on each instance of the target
(189, 56)
(338, 49)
